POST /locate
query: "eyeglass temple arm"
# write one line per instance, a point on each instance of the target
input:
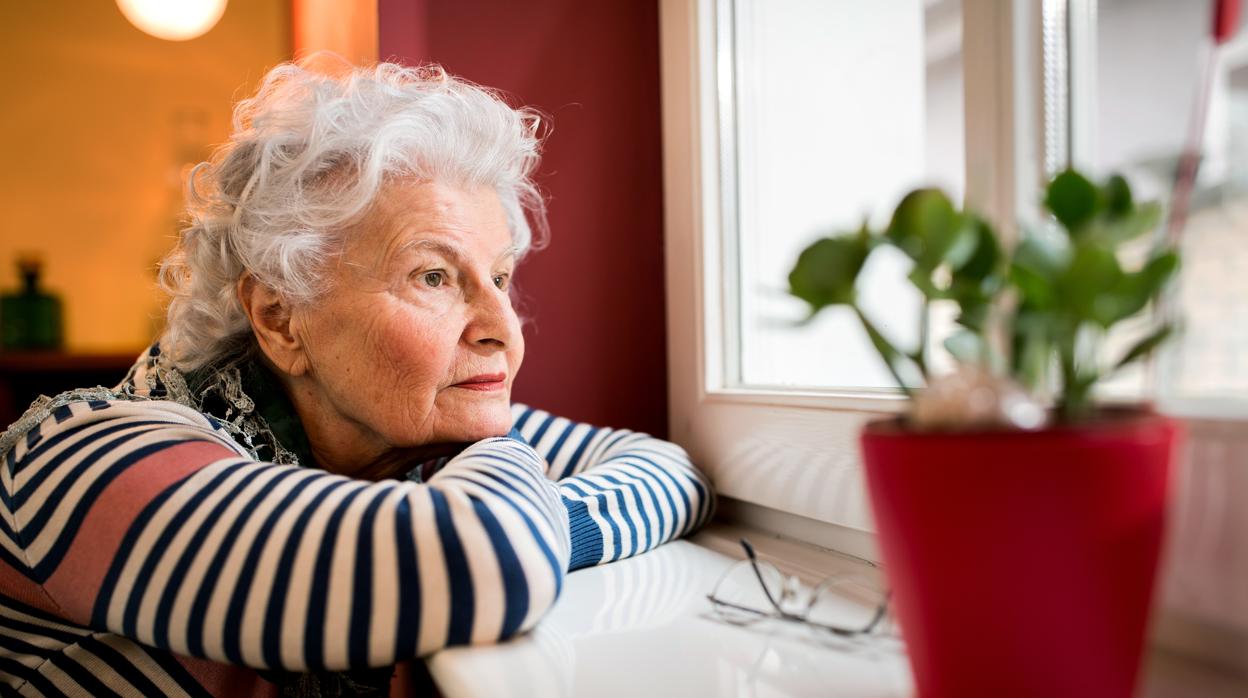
(749, 552)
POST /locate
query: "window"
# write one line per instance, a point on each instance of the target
(831, 110)
(1140, 65)
(773, 112)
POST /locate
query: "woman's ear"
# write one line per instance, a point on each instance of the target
(270, 316)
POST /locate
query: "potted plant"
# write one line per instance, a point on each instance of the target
(1019, 521)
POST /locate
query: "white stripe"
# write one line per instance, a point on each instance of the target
(214, 542)
(434, 594)
(340, 591)
(569, 447)
(219, 603)
(638, 472)
(62, 627)
(385, 593)
(486, 576)
(161, 577)
(143, 662)
(101, 670)
(299, 591)
(138, 555)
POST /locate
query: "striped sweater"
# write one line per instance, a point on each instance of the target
(143, 552)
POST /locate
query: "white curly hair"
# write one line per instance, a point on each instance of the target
(309, 153)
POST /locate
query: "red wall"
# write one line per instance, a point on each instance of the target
(595, 296)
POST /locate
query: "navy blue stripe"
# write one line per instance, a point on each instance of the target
(459, 576)
(529, 523)
(33, 436)
(607, 444)
(645, 520)
(705, 497)
(362, 587)
(10, 462)
(62, 413)
(515, 585)
(46, 469)
(79, 673)
(408, 621)
(654, 498)
(662, 473)
(623, 514)
(99, 613)
(575, 460)
(666, 483)
(563, 438)
(52, 500)
(120, 664)
(199, 608)
(272, 630)
(97, 405)
(20, 646)
(37, 629)
(541, 431)
(318, 596)
(271, 634)
(156, 553)
(16, 563)
(37, 613)
(178, 577)
(65, 537)
(586, 535)
(177, 672)
(524, 418)
(32, 676)
(535, 499)
(616, 537)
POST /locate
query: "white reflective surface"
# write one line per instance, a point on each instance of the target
(643, 627)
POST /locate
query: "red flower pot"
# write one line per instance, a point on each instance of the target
(1022, 563)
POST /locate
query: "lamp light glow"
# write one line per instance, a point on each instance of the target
(174, 20)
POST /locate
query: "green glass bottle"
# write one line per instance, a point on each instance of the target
(30, 318)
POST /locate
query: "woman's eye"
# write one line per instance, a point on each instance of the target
(500, 280)
(433, 279)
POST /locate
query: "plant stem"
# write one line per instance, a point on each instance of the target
(925, 321)
(887, 351)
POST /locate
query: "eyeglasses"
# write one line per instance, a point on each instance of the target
(845, 605)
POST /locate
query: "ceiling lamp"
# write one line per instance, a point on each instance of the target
(175, 20)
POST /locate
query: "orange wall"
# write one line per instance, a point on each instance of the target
(96, 119)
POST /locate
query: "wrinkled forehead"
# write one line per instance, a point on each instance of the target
(412, 219)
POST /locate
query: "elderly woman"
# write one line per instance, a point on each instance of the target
(318, 473)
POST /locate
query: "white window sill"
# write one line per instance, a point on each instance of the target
(643, 626)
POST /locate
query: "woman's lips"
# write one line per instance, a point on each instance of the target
(484, 383)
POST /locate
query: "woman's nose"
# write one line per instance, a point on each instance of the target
(492, 321)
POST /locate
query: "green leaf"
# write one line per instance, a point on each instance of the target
(1086, 286)
(925, 226)
(1035, 271)
(1117, 195)
(985, 256)
(1145, 346)
(1134, 290)
(1128, 226)
(1073, 200)
(826, 271)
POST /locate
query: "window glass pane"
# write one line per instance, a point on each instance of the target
(839, 108)
(1149, 62)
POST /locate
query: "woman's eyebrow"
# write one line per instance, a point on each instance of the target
(451, 251)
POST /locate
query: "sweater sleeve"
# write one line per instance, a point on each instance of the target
(143, 520)
(625, 492)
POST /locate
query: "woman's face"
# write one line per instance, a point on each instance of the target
(417, 343)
